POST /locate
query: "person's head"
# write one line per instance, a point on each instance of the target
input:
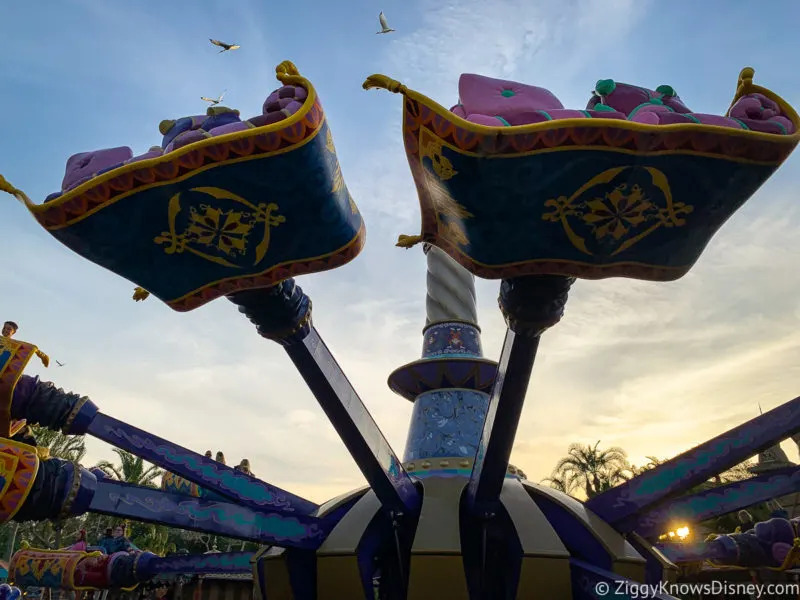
(220, 457)
(208, 453)
(162, 590)
(745, 517)
(109, 532)
(244, 466)
(9, 328)
(119, 531)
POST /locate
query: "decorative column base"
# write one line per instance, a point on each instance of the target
(450, 388)
(446, 423)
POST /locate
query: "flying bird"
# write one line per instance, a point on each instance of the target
(60, 364)
(225, 47)
(213, 101)
(384, 25)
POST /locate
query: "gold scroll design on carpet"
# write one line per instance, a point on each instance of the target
(624, 216)
(225, 232)
(444, 204)
(338, 178)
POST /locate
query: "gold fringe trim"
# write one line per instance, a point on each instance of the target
(6, 187)
(408, 241)
(140, 294)
(385, 83)
(43, 357)
(288, 74)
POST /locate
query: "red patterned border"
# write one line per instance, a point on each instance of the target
(418, 115)
(22, 479)
(252, 142)
(9, 375)
(274, 275)
(730, 145)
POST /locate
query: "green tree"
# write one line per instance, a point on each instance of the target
(561, 482)
(131, 469)
(67, 447)
(591, 469)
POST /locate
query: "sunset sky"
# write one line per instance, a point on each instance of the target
(654, 368)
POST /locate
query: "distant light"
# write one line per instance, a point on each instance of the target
(683, 532)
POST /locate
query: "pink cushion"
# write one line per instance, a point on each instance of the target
(498, 97)
(626, 98)
(758, 107)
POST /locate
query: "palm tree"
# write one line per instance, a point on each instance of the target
(131, 469)
(592, 469)
(67, 447)
(652, 463)
(561, 482)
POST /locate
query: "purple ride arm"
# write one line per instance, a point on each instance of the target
(720, 500)
(620, 505)
(530, 305)
(218, 518)
(220, 562)
(282, 313)
(205, 472)
(44, 403)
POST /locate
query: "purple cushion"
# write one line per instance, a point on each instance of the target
(487, 120)
(231, 128)
(506, 99)
(267, 119)
(458, 109)
(283, 98)
(542, 116)
(171, 129)
(81, 167)
(673, 118)
(189, 137)
(219, 116)
(154, 152)
(758, 107)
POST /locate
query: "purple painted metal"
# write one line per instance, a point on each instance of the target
(621, 505)
(220, 518)
(216, 562)
(361, 435)
(720, 500)
(239, 487)
(500, 426)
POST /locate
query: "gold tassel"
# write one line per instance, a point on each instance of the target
(43, 357)
(6, 187)
(385, 83)
(140, 294)
(408, 241)
(42, 453)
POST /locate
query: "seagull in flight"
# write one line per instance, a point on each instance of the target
(60, 364)
(213, 101)
(384, 25)
(225, 47)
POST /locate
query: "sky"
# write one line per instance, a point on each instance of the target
(653, 367)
